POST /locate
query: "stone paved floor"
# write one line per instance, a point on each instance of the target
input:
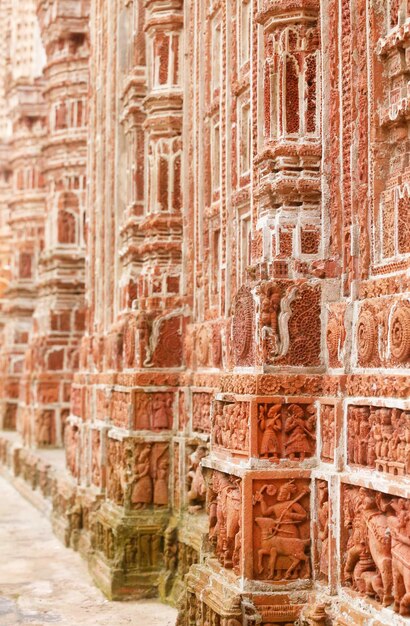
(42, 583)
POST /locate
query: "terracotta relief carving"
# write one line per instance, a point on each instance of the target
(44, 427)
(400, 333)
(242, 326)
(165, 343)
(335, 335)
(150, 476)
(323, 518)
(378, 437)
(304, 327)
(224, 509)
(286, 431)
(196, 487)
(187, 556)
(274, 315)
(367, 338)
(97, 477)
(328, 432)
(281, 531)
(230, 426)
(377, 562)
(154, 411)
(383, 334)
(115, 473)
(216, 317)
(201, 412)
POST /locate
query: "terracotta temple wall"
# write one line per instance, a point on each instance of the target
(204, 296)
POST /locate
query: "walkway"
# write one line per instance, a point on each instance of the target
(42, 583)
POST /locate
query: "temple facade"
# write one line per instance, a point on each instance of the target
(204, 299)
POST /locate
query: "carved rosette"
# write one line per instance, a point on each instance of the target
(366, 336)
(400, 333)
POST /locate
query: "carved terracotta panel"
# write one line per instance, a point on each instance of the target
(378, 438)
(281, 530)
(376, 538)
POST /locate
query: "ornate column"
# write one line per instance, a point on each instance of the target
(261, 255)
(24, 115)
(27, 227)
(5, 170)
(125, 399)
(58, 320)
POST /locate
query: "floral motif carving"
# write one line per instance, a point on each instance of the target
(242, 325)
(400, 333)
(366, 336)
(304, 327)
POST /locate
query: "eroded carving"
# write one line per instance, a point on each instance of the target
(224, 508)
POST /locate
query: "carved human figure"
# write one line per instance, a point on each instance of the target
(280, 529)
(171, 549)
(352, 420)
(224, 513)
(44, 428)
(406, 419)
(368, 557)
(378, 434)
(400, 536)
(300, 435)
(270, 306)
(371, 441)
(400, 438)
(387, 432)
(232, 508)
(353, 506)
(161, 410)
(142, 491)
(271, 295)
(363, 435)
(195, 480)
(328, 433)
(161, 483)
(143, 412)
(323, 527)
(230, 425)
(270, 424)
